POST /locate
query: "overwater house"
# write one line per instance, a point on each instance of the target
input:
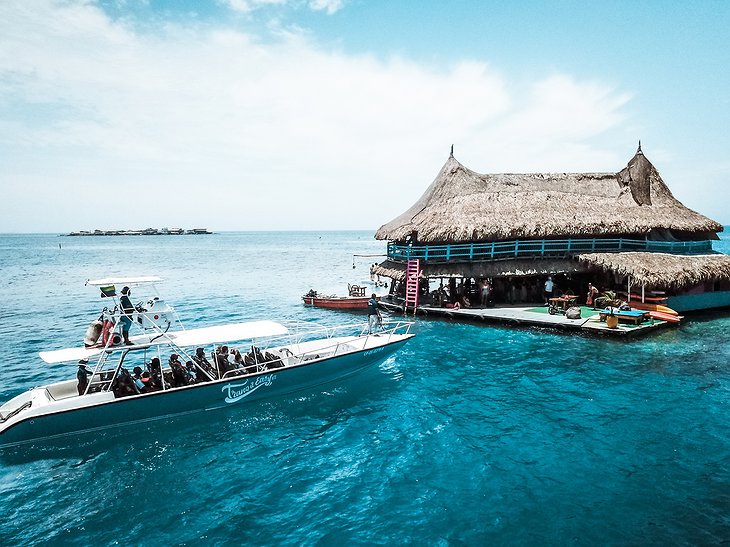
(622, 231)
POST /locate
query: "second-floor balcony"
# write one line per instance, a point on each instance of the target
(540, 248)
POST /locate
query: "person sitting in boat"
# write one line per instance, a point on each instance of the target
(127, 311)
(137, 377)
(190, 371)
(197, 372)
(250, 362)
(147, 381)
(202, 361)
(82, 375)
(221, 360)
(179, 377)
(124, 384)
(155, 368)
(235, 358)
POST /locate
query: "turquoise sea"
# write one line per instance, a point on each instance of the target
(471, 435)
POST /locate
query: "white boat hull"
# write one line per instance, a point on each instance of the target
(47, 417)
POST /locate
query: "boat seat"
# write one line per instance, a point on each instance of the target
(63, 390)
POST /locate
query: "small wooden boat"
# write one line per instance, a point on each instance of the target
(337, 302)
(356, 299)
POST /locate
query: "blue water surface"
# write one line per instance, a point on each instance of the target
(470, 435)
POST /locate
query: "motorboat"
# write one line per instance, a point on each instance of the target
(356, 299)
(166, 370)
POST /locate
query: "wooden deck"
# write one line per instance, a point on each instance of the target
(532, 316)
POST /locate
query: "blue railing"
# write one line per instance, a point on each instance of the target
(545, 248)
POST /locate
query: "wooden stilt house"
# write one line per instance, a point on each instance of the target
(622, 231)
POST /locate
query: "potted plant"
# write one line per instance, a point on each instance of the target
(610, 302)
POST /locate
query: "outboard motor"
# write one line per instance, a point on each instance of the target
(156, 315)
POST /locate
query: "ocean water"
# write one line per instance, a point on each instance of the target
(470, 435)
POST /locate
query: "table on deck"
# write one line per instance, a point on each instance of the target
(561, 303)
(633, 316)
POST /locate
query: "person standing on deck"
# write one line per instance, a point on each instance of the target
(486, 289)
(127, 311)
(374, 317)
(548, 290)
(591, 298)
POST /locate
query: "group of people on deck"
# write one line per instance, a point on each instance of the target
(225, 362)
(549, 292)
(486, 292)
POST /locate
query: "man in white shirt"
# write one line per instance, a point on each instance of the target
(548, 290)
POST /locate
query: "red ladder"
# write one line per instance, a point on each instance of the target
(413, 270)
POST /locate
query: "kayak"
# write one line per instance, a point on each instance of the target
(665, 316)
(652, 307)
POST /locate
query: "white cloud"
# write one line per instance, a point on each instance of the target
(330, 6)
(246, 6)
(210, 127)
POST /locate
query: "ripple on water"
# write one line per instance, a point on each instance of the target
(469, 435)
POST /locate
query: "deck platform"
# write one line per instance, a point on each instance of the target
(590, 321)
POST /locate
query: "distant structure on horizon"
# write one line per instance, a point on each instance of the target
(145, 232)
(621, 231)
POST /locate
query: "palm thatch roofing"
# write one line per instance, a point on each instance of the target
(661, 270)
(461, 205)
(500, 268)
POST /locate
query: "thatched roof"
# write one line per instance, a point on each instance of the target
(498, 268)
(461, 205)
(662, 270)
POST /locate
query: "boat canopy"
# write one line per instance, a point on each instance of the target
(148, 280)
(229, 333)
(185, 338)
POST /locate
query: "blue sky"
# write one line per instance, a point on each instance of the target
(337, 114)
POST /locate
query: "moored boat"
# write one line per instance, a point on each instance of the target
(164, 372)
(355, 300)
(337, 302)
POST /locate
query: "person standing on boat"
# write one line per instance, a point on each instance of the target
(83, 376)
(127, 311)
(374, 317)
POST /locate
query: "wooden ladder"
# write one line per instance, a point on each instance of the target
(413, 270)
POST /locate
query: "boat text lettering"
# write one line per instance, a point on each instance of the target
(236, 392)
(372, 351)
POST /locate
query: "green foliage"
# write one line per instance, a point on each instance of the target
(609, 300)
